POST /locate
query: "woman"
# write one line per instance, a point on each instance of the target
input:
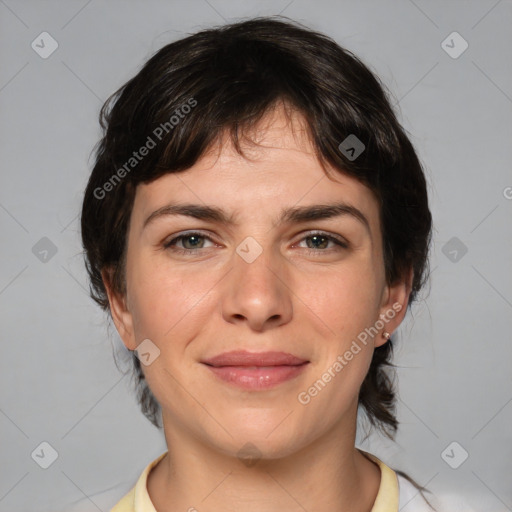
(257, 224)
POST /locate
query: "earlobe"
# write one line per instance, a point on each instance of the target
(394, 307)
(121, 316)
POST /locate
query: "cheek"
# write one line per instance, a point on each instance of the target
(347, 300)
(165, 302)
(346, 304)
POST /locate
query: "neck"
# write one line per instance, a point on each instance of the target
(327, 474)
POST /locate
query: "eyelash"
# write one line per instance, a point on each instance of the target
(172, 243)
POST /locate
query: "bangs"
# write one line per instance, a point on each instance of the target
(229, 89)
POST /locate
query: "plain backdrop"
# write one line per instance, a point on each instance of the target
(59, 383)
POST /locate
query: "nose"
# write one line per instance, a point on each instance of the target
(257, 293)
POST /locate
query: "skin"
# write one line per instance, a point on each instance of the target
(311, 300)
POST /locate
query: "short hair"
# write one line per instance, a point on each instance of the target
(224, 80)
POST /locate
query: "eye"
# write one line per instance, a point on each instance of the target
(191, 242)
(320, 240)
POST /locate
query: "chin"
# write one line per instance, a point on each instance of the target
(250, 450)
(267, 442)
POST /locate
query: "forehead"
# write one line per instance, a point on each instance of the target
(278, 168)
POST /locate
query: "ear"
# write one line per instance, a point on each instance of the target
(395, 298)
(118, 309)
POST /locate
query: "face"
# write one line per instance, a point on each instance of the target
(262, 272)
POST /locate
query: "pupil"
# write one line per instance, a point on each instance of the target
(317, 238)
(191, 237)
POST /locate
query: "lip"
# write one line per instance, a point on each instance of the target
(256, 370)
(244, 358)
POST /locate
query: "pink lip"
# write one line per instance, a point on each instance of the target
(252, 370)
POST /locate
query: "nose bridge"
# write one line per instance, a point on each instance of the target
(256, 265)
(256, 290)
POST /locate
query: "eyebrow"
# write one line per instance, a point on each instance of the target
(292, 215)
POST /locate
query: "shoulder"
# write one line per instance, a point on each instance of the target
(103, 500)
(138, 500)
(135, 498)
(396, 492)
(127, 503)
(410, 497)
(411, 500)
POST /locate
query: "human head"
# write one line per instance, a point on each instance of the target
(224, 80)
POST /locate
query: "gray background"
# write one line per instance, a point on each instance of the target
(59, 381)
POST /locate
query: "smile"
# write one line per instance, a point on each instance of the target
(255, 370)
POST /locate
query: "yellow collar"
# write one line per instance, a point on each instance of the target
(138, 500)
(387, 497)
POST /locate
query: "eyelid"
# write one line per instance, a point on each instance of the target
(183, 234)
(332, 236)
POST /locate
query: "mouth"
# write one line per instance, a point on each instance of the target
(256, 371)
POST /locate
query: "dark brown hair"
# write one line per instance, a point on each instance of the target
(224, 80)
